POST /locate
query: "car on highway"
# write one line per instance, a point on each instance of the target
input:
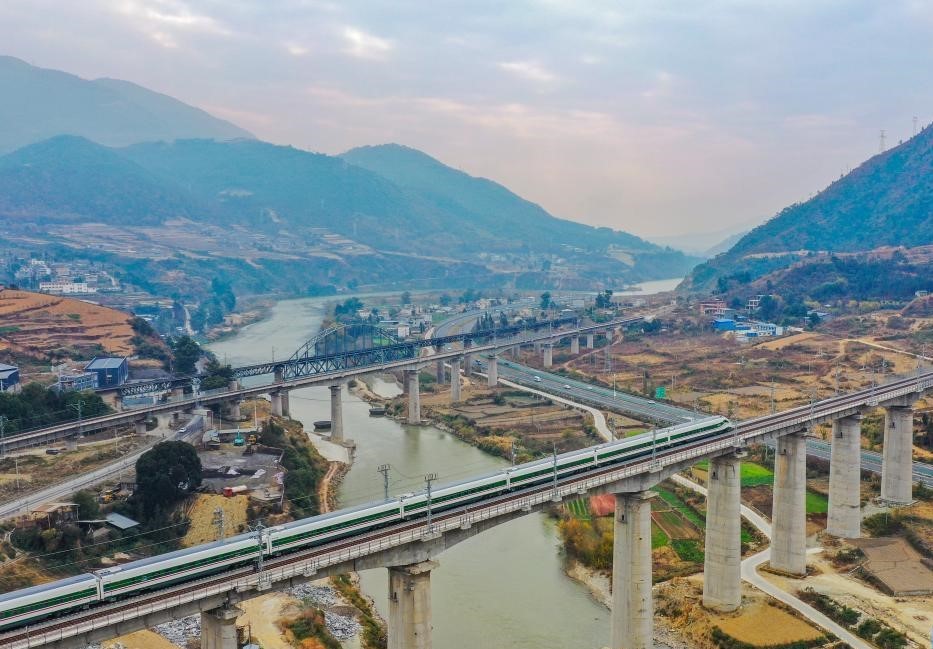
(566, 387)
(537, 379)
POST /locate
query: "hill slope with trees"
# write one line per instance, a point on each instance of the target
(885, 202)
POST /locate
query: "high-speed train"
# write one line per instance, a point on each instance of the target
(38, 603)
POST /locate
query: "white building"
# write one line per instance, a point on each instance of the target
(66, 288)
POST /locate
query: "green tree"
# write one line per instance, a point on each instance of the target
(87, 504)
(165, 474)
(444, 299)
(545, 301)
(187, 352)
(216, 376)
(406, 297)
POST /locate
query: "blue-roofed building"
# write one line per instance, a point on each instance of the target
(111, 370)
(9, 377)
(724, 324)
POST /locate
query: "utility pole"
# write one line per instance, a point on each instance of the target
(219, 523)
(512, 451)
(554, 450)
(3, 420)
(772, 396)
(78, 406)
(384, 470)
(429, 478)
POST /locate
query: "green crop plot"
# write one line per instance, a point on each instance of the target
(658, 538)
(755, 474)
(816, 503)
(688, 550)
(579, 508)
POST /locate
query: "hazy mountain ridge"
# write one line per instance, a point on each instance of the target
(69, 178)
(107, 111)
(485, 203)
(122, 155)
(887, 201)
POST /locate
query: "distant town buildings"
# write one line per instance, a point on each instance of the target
(66, 288)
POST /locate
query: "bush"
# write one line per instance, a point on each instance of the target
(883, 524)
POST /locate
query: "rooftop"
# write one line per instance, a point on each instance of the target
(120, 521)
(105, 362)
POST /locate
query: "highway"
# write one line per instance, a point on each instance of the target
(664, 414)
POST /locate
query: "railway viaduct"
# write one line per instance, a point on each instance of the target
(410, 550)
(328, 359)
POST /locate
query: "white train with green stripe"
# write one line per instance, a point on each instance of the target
(38, 603)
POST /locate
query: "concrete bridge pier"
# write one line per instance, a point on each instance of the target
(632, 603)
(455, 380)
(140, 427)
(590, 341)
(548, 355)
(789, 514)
(467, 359)
(278, 375)
(336, 413)
(441, 374)
(410, 606)
(286, 410)
(177, 393)
(276, 403)
(414, 397)
(233, 385)
(218, 628)
(235, 413)
(492, 372)
(722, 581)
(897, 459)
(845, 458)
(575, 344)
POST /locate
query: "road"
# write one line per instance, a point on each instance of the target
(640, 407)
(64, 489)
(871, 461)
(643, 409)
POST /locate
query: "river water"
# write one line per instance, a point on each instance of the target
(503, 588)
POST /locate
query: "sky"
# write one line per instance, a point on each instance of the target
(656, 117)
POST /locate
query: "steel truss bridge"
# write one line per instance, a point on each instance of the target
(311, 368)
(348, 347)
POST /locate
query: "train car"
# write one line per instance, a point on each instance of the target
(22, 607)
(455, 495)
(181, 565)
(327, 527)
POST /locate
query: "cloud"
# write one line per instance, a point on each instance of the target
(529, 70)
(366, 46)
(295, 49)
(163, 20)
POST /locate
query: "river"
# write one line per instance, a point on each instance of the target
(503, 588)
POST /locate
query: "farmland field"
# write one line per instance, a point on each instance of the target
(674, 525)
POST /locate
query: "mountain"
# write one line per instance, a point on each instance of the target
(40, 104)
(885, 202)
(70, 178)
(337, 221)
(507, 220)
